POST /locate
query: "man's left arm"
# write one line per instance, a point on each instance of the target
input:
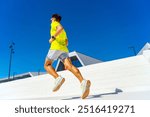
(59, 28)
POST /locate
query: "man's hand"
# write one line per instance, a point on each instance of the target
(51, 40)
(66, 42)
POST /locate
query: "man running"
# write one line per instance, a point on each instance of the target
(59, 50)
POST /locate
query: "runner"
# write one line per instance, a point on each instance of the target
(59, 50)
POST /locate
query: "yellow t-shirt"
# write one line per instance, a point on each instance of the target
(60, 42)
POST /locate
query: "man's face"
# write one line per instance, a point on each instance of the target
(53, 19)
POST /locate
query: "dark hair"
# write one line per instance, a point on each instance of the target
(57, 16)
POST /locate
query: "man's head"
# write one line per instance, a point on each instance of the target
(56, 17)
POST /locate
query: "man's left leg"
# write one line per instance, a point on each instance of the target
(68, 65)
(85, 84)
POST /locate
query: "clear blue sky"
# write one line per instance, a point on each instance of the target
(103, 29)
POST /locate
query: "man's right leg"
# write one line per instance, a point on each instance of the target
(49, 68)
(58, 79)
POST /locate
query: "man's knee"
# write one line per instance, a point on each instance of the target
(47, 63)
(72, 68)
(68, 67)
(45, 66)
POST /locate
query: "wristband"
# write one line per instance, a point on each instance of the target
(53, 37)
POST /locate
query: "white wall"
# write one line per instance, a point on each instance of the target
(128, 74)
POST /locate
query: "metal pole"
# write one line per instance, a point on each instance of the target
(10, 61)
(10, 64)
